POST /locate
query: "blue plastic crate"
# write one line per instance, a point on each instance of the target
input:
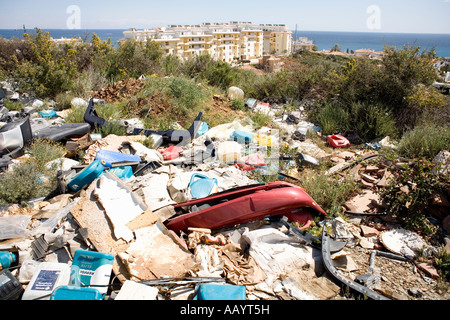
(213, 291)
(76, 293)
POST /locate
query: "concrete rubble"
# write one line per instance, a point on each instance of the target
(125, 217)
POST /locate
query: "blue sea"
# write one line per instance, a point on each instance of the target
(371, 40)
(323, 39)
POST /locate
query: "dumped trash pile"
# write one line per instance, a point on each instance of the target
(120, 90)
(187, 217)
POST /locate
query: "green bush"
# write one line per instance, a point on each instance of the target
(112, 127)
(260, 119)
(25, 182)
(409, 192)
(371, 121)
(332, 118)
(219, 74)
(44, 151)
(425, 141)
(329, 191)
(49, 70)
(238, 104)
(401, 83)
(133, 59)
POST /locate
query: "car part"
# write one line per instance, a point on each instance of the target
(243, 204)
(326, 256)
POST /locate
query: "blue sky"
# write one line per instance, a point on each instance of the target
(410, 16)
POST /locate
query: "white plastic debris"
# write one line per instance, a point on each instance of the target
(120, 204)
(14, 226)
(78, 102)
(402, 241)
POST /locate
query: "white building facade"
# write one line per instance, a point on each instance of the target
(226, 42)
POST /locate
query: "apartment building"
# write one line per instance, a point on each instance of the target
(227, 42)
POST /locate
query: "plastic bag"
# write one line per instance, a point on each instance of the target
(14, 226)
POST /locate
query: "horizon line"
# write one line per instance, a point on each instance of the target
(123, 29)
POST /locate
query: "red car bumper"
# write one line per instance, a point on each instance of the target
(246, 204)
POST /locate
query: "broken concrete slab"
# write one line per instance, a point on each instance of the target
(368, 231)
(156, 253)
(404, 242)
(152, 241)
(120, 204)
(367, 201)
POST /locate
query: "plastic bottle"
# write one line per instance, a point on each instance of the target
(6, 259)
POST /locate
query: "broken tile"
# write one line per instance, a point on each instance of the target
(368, 231)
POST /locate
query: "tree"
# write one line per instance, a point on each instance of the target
(49, 70)
(335, 48)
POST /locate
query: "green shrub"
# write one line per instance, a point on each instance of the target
(43, 151)
(425, 141)
(133, 59)
(371, 121)
(409, 192)
(329, 191)
(219, 74)
(332, 118)
(49, 70)
(76, 115)
(260, 119)
(171, 65)
(112, 127)
(238, 104)
(26, 181)
(12, 105)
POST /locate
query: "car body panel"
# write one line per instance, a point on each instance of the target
(243, 205)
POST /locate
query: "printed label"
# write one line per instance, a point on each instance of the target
(46, 279)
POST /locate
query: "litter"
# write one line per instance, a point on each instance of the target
(229, 151)
(211, 291)
(14, 226)
(337, 141)
(14, 136)
(76, 293)
(183, 217)
(6, 259)
(86, 176)
(336, 274)
(91, 116)
(120, 204)
(91, 268)
(242, 205)
(404, 242)
(242, 136)
(171, 152)
(172, 136)
(47, 113)
(201, 186)
(46, 279)
(10, 288)
(108, 158)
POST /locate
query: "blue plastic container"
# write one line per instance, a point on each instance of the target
(110, 157)
(87, 175)
(6, 259)
(47, 113)
(123, 173)
(251, 103)
(201, 186)
(242, 136)
(91, 268)
(202, 129)
(213, 291)
(76, 293)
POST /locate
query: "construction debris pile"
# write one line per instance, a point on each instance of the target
(186, 218)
